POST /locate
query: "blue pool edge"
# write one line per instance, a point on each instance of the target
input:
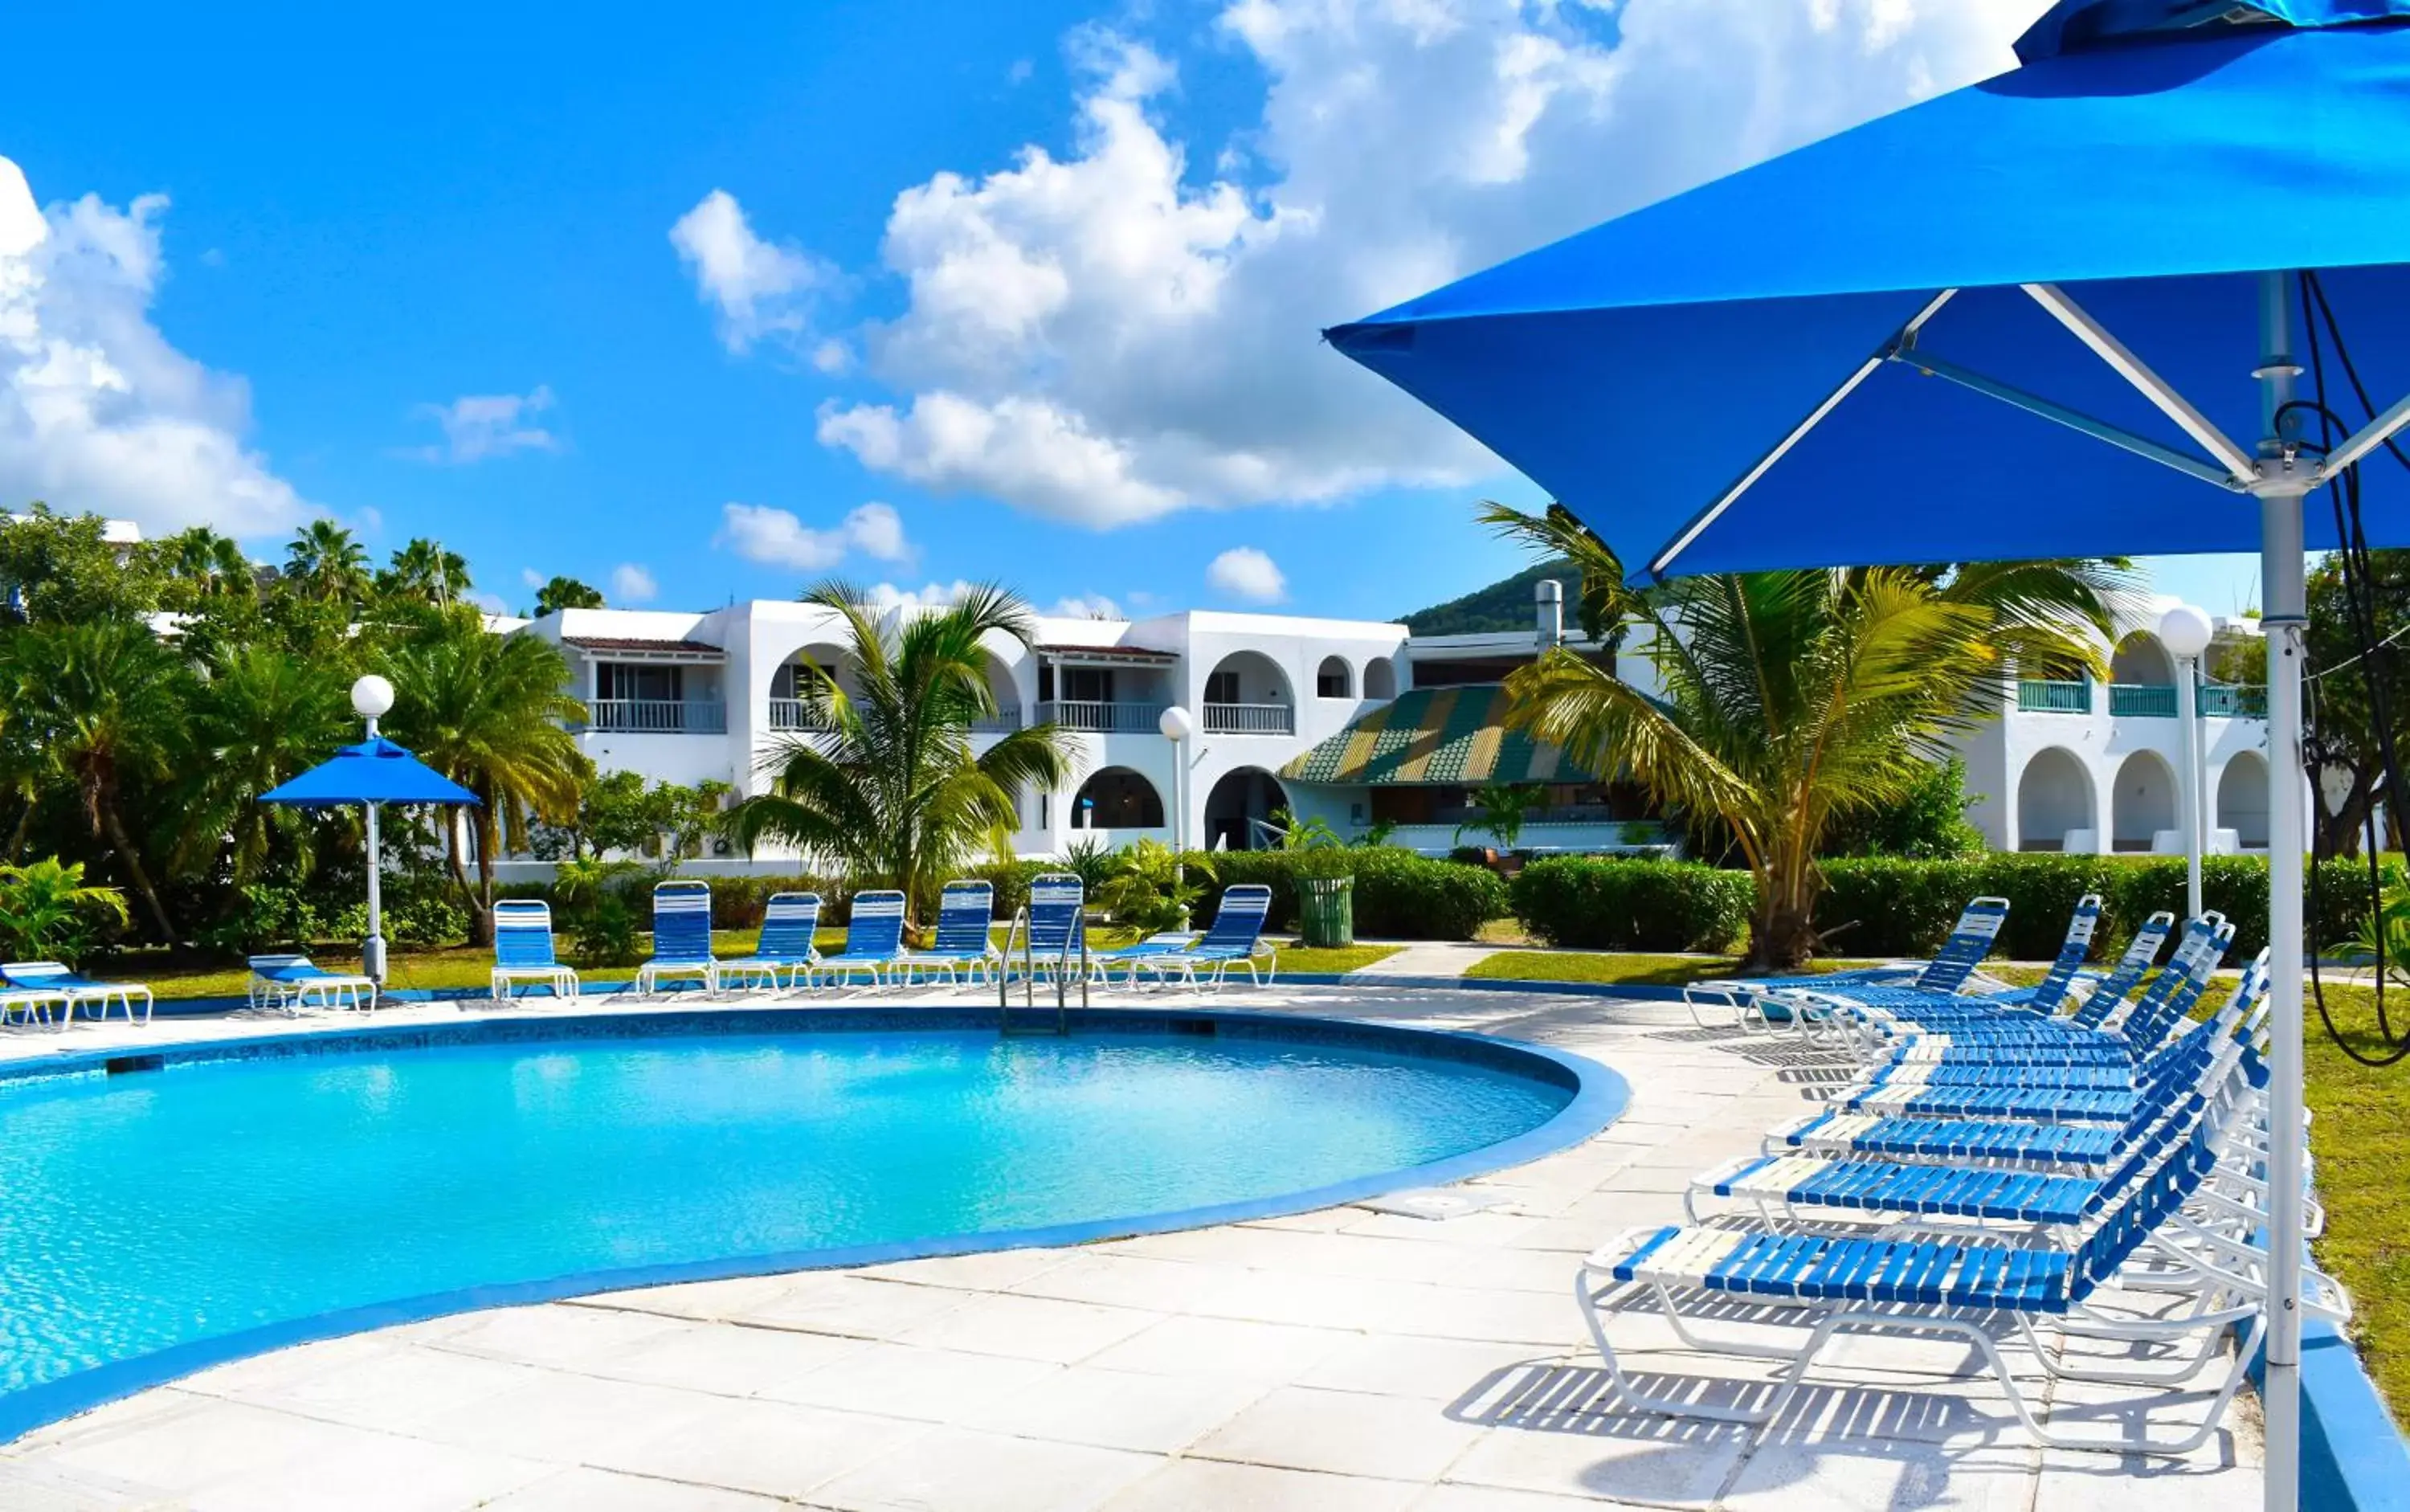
(1600, 1096)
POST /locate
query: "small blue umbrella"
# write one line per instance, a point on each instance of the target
(376, 771)
(2061, 313)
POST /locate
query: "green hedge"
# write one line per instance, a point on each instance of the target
(1625, 904)
(1885, 906)
(1399, 894)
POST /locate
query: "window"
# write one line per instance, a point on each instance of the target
(1087, 685)
(1330, 680)
(621, 680)
(1222, 687)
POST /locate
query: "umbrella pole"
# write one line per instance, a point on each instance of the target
(2283, 617)
(373, 949)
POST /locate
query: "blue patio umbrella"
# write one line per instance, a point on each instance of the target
(376, 771)
(2060, 312)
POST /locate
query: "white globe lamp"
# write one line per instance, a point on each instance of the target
(371, 697)
(2185, 632)
(1177, 723)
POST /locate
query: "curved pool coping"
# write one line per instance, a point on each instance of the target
(1598, 1097)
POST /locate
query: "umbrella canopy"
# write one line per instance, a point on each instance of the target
(375, 771)
(1805, 364)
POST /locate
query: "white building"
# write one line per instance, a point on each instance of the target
(1350, 721)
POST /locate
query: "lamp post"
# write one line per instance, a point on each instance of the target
(2184, 631)
(1178, 725)
(371, 698)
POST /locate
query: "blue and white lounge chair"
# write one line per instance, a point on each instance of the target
(1932, 1036)
(1236, 938)
(289, 984)
(964, 946)
(50, 979)
(1102, 963)
(523, 949)
(1055, 932)
(1747, 999)
(873, 939)
(789, 922)
(681, 938)
(34, 1005)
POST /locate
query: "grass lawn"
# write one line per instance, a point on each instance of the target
(1614, 967)
(1350, 958)
(2361, 1133)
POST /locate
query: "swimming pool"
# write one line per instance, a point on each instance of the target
(163, 1211)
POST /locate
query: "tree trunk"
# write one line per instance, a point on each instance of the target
(1781, 936)
(459, 866)
(115, 827)
(481, 920)
(2340, 834)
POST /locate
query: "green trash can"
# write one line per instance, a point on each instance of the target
(1326, 912)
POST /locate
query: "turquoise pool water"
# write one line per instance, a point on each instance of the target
(151, 1213)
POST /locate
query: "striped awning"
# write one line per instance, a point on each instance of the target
(1435, 738)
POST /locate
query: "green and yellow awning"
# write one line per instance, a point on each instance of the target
(1435, 738)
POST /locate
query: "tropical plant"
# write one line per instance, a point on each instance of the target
(97, 707)
(887, 783)
(262, 718)
(424, 573)
(1152, 887)
(206, 563)
(1790, 699)
(488, 711)
(322, 561)
(1090, 860)
(1501, 807)
(565, 593)
(47, 913)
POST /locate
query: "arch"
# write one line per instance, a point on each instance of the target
(2242, 799)
(2140, 659)
(2053, 796)
(1241, 798)
(1334, 678)
(834, 660)
(1380, 678)
(1248, 677)
(1117, 798)
(1005, 689)
(2142, 801)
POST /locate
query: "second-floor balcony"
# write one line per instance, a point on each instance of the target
(658, 715)
(794, 715)
(2142, 700)
(1090, 717)
(1250, 719)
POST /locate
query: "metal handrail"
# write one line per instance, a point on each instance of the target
(1019, 930)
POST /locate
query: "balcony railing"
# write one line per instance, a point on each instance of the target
(791, 714)
(2226, 701)
(1094, 719)
(2142, 700)
(2034, 697)
(1250, 719)
(658, 715)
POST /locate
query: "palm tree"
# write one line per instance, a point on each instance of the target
(565, 593)
(1790, 698)
(488, 711)
(325, 564)
(425, 571)
(888, 786)
(45, 907)
(104, 704)
(211, 564)
(264, 716)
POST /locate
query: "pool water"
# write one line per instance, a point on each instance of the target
(139, 1213)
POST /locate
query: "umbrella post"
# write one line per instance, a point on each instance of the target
(371, 697)
(2285, 613)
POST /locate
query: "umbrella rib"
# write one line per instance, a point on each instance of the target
(2074, 419)
(2367, 438)
(2149, 384)
(1866, 369)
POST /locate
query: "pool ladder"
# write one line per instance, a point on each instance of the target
(1019, 933)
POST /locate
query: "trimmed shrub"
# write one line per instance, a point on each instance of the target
(1399, 894)
(1645, 905)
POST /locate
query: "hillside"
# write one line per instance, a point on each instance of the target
(1506, 604)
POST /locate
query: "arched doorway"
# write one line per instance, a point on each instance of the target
(792, 685)
(1380, 678)
(1117, 798)
(1006, 693)
(2143, 802)
(2242, 799)
(1243, 798)
(1248, 694)
(1334, 678)
(2053, 796)
(2140, 659)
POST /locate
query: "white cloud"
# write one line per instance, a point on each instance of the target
(493, 604)
(478, 426)
(778, 538)
(927, 596)
(760, 289)
(1110, 335)
(1085, 606)
(532, 578)
(1245, 572)
(97, 412)
(633, 583)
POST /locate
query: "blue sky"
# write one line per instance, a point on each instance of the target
(695, 305)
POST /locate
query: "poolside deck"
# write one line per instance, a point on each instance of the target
(1337, 1360)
